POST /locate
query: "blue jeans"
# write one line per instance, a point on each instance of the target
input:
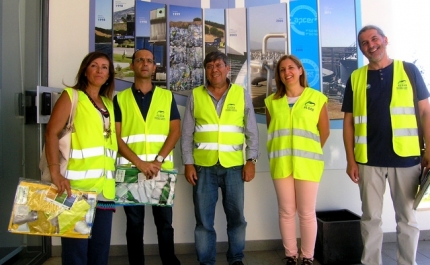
(205, 197)
(163, 222)
(93, 251)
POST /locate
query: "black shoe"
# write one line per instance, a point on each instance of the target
(306, 261)
(237, 263)
(290, 260)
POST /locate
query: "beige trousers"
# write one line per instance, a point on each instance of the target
(403, 183)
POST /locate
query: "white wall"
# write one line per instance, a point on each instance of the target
(68, 44)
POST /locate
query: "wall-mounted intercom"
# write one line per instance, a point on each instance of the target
(39, 103)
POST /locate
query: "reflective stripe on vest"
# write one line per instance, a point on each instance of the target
(220, 147)
(221, 128)
(219, 138)
(92, 152)
(146, 137)
(157, 138)
(402, 113)
(92, 173)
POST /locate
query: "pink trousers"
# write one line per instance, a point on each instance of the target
(297, 196)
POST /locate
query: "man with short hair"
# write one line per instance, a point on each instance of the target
(381, 139)
(146, 140)
(219, 119)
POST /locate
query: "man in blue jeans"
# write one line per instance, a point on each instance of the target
(148, 126)
(219, 119)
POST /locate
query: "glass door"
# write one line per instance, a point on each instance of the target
(23, 24)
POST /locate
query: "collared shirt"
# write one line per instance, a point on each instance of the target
(188, 126)
(144, 102)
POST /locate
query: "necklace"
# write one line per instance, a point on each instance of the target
(105, 117)
(104, 112)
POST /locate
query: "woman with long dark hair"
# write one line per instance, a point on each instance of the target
(92, 157)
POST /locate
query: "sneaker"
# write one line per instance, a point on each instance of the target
(237, 263)
(307, 261)
(291, 260)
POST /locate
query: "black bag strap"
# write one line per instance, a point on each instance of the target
(417, 111)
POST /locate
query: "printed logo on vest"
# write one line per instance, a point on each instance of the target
(402, 85)
(310, 105)
(160, 115)
(231, 107)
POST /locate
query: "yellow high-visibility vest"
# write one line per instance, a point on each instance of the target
(402, 113)
(293, 143)
(92, 157)
(219, 138)
(146, 137)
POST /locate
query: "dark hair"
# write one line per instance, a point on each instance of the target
(143, 49)
(281, 90)
(366, 28)
(213, 56)
(107, 88)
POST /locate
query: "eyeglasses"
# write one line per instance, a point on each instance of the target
(212, 66)
(141, 60)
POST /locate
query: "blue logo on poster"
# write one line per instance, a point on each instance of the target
(303, 20)
(312, 71)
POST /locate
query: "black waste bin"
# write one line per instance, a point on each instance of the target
(338, 237)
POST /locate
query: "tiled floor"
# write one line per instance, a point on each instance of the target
(267, 257)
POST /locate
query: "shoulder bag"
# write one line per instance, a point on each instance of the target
(64, 142)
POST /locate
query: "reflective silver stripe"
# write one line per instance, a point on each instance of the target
(406, 132)
(360, 139)
(295, 152)
(93, 173)
(360, 119)
(221, 128)
(125, 161)
(280, 153)
(306, 134)
(87, 152)
(92, 152)
(307, 154)
(403, 111)
(207, 128)
(230, 148)
(278, 133)
(220, 147)
(231, 128)
(138, 138)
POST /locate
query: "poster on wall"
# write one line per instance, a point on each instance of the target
(236, 46)
(214, 30)
(123, 39)
(268, 42)
(186, 48)
(304, 38)
(339, 55)
(151, 34)
(103, 27)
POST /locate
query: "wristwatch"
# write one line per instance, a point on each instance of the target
(159, 158)
(253, 160)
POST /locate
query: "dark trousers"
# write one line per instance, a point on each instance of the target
(163, 222)
(93, 251)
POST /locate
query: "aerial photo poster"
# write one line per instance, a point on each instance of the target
(180, 36)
